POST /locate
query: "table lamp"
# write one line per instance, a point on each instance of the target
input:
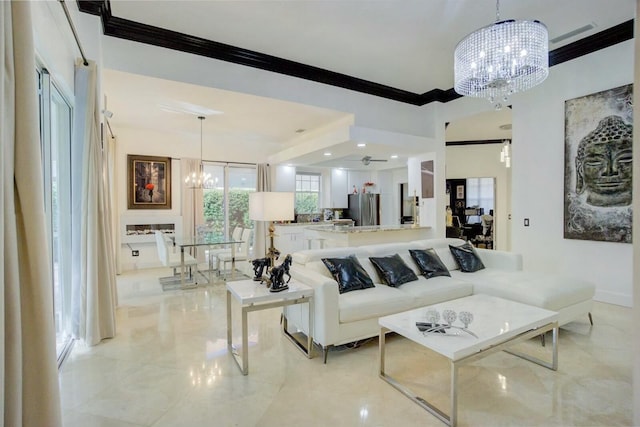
(271, 206)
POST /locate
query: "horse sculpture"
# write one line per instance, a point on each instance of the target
(259, 265)
(277, 275)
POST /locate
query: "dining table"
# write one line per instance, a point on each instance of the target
(206, 240)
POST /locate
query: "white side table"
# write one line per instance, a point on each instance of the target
(254, 296)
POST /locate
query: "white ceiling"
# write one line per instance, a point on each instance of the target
(407, 44)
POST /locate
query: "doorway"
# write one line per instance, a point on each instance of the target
(407, 204)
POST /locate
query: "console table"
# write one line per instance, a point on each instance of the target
(254, 296)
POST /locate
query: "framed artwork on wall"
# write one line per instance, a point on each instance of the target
(598, 166)
(149, 182)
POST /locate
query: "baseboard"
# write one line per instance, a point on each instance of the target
(616, 298)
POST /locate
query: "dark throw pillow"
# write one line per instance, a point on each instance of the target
(393, 271)
(349, 273)
(429, 263)
(467, 258)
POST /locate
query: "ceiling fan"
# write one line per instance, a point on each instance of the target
(366, 160)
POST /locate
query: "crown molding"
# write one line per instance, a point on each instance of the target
(135, 31)
(477, 142)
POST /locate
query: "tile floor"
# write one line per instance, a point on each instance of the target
(168, 366)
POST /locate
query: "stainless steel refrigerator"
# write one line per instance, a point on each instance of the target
(364, 209)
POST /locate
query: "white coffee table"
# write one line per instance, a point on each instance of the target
(253, 296)
(498, 323)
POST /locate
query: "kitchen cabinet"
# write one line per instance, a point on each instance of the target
(289, 239)
(358, 178)
(339, 189)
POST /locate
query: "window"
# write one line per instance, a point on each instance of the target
(480, 193)
(307, 193)
(226, 202)
(55, 137)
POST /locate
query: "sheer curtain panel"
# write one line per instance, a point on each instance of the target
(28, 368)
(260, 227)
(94, 295)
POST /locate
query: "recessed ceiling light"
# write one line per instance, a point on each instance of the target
(327, 153)
(300, 130)
(394, 156)
(362, 144)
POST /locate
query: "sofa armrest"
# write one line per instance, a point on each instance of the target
(325, 302)
(502, 260)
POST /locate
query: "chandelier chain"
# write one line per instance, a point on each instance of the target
(497, 10)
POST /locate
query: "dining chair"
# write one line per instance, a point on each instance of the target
(242, 251)
(172, 259)
(236, 236)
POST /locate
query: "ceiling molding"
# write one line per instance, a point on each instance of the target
(478, 142)
(603, 39)
(161, 37)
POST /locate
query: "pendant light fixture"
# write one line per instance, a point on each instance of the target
(501, 59)
(199, 179)
(505, 153)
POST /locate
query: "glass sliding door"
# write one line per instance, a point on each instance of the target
(55, 129)
(242, 181)
(214, 200)
(226, 202)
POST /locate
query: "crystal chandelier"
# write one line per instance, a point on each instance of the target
(201, 179)
(501, 59)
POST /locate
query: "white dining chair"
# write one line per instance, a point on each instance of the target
(242, 251)
(236, 236)
(171, 259)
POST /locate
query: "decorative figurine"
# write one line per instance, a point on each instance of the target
(277, 276)
(259, 265)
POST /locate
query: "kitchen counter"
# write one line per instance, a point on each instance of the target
(316, 223)
(364, 229)
(365, 235)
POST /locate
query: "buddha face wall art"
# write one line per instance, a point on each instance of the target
(598, 166)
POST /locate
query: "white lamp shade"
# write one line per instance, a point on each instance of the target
(271, 206)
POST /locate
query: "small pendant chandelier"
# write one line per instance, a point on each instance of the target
(505, 153)
(501, 59)
(201, 179)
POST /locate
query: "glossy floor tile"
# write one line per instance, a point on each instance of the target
(169, 366)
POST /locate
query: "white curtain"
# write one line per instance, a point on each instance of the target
(263, 183)
(110, 168)
(94, 294)
(28, 369)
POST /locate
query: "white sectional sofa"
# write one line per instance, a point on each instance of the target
(352, 316)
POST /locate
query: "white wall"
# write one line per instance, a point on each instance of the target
(538, 176)
(483, 161)
(431, 211)
(55, 46)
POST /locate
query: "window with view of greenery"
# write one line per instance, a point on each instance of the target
(307, 193)
(238, 209)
